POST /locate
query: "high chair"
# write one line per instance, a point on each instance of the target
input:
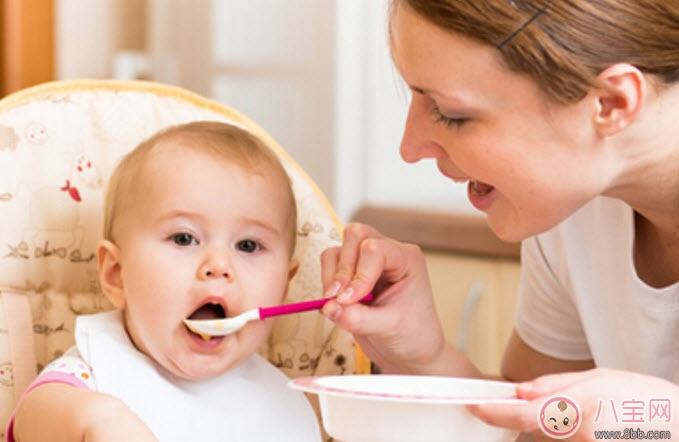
(58, 144)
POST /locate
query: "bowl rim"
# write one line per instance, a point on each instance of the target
(316, 385)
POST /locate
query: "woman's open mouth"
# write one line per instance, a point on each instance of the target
(479, 188)
(480, 194)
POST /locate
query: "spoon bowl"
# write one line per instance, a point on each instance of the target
(208, 328)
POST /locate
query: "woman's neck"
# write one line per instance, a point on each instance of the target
(656, 251)
(651, 187)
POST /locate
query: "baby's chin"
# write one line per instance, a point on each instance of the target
(199, 364)
(202, 369)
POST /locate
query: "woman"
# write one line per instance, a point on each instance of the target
(562, 116)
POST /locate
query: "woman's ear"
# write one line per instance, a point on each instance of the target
(109, 273)
(620, 102)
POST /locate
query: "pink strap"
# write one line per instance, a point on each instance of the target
(21, 340)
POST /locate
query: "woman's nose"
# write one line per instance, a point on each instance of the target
(216, 265)
(417, 143)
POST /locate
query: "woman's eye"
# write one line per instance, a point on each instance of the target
(447, 121)
(183, 239)
(247, 245)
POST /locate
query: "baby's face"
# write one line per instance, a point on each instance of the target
(204, 239)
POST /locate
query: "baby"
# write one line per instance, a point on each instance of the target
(200, 223)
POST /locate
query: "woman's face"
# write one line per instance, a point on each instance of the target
(529, 163)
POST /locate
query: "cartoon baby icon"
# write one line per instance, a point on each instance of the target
(559, 416)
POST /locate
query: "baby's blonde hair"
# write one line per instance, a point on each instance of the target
(223, 141)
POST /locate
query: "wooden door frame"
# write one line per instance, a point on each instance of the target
(27, 43)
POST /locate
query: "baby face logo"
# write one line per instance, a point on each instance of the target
(559, 416)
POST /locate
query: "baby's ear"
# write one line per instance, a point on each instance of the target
(294, 266)
(109, 273)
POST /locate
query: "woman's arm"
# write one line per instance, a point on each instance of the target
(523, 363)
(60, 412)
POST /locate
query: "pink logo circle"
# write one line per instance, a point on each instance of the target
(559, 416)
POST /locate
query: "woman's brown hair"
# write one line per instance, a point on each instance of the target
(564, 44)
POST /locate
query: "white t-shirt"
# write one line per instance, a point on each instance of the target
(580, 297)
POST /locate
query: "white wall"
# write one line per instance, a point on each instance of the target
(316, 74)
(88, 34)
(271, 60)
(274, 61)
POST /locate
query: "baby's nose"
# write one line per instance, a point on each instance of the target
(216, 266)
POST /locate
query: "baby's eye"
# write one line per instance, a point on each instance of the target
(184, 239)
(247, 245)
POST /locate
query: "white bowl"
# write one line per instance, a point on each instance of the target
(394, 408)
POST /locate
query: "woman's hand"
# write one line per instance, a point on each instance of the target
(399, 330)
(609, 400)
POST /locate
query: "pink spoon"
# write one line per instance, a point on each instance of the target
(221, 327)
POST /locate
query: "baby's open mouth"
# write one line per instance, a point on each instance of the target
(209, 311)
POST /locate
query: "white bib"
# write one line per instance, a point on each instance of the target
(249, 403)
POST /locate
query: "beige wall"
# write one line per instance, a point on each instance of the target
(88, 34)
